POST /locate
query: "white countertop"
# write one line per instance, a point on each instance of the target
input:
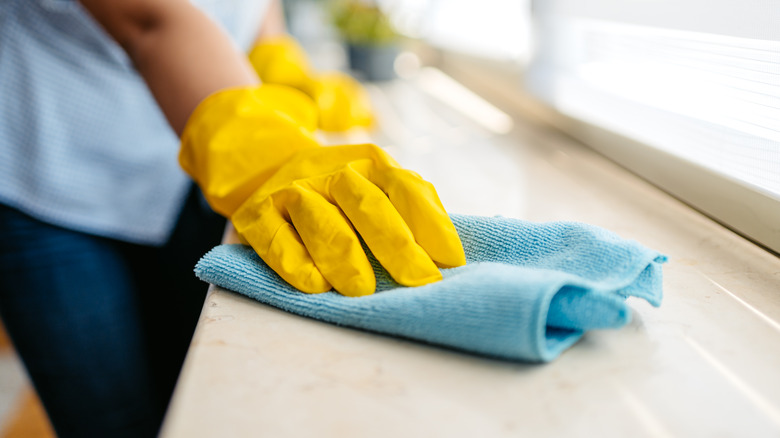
(706, 363)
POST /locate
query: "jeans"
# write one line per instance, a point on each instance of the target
(102, 326)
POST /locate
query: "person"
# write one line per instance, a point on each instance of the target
(100, 227)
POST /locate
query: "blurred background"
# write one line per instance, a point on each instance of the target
(697, 79)
(686, 93)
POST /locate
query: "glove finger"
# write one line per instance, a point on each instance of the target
(331, 241)
(262, 224)
(343, 102)
(382, 228)
(280, 60)
(418, 204)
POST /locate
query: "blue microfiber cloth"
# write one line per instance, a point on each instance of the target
(528, 292)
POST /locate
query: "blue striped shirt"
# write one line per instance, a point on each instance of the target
(83, 144)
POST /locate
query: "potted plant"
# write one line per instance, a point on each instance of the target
(371, 40)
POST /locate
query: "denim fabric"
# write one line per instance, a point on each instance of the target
(102, 326)
(528, 292)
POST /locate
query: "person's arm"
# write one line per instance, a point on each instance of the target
(249, 146)
(181, 54)
(273, 24)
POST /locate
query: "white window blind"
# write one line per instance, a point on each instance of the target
(685, 93)
(698, 80)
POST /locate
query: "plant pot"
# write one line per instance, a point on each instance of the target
(373, 63)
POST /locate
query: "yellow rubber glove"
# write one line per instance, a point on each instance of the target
(301, 206)
(236, 139)
(342, 102)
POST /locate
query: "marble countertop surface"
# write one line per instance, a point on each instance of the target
(706, 363)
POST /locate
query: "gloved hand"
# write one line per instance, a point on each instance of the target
(341, 101)
(301, 206)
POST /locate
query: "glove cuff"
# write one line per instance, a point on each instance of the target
(236, 138)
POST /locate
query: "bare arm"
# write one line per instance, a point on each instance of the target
(273, 22)
(182, 55)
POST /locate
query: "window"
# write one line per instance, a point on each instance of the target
(696, 81)
(684, 93)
